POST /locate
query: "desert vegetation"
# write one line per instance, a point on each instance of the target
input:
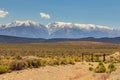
(21, 56)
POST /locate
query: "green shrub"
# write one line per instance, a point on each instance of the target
(4, 69)
(100, 68)
(114, 61)
(71, 61)
(29, 62)
(43, 62)
(53, 62)
(77, 59)
(90, 64)
(67, 60)
(18, 65)
(111, 67)
(56, 62)
(64, 61)
(18, 57)
(34, 63)
(87, 58)
(96, 59)
(91, 68)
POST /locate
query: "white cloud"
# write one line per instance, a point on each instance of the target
(44, 15)
(3, 13)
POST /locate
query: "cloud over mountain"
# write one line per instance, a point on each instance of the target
(44, 15)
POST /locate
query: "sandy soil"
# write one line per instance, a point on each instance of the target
(79, 71)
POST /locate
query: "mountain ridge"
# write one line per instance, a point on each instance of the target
(14, 39)
(34, 29)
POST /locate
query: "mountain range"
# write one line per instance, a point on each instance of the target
(31, 29)
(13, 39)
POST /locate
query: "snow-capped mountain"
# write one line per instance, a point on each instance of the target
(24, 29)
(23, 23)
(71, 30)
(56, 30)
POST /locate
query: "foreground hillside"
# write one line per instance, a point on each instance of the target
(72, 60)
(79, 71)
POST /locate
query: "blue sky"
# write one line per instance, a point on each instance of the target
(100, 12)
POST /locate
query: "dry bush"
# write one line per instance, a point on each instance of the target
(18, 65)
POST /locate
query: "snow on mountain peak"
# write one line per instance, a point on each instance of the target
(30, 28)
(62, 24)
(76, 25)
(25, 23)
(59, 24)
(92, 26)
(56, 25)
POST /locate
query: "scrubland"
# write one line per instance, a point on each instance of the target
(65, 57)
